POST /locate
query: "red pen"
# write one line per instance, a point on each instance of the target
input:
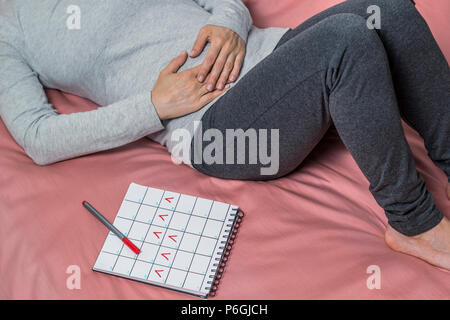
(113, 229)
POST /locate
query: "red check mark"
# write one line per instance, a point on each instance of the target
(156, 233)
(172, 237)
(158, 272)
(163, 215)
(168, 199)
(165, 255)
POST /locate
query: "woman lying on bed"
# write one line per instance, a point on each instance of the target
(337, 68)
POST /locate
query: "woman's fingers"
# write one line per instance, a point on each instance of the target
(229, 65)
(217, 69)
(203, 90)
(224, 59)
(210, 59)
(199, 44)
(175, 64)
(238, 62)
(210, 96)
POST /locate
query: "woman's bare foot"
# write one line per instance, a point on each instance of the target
(432, 246)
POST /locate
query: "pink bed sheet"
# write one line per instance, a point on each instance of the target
(312, 234)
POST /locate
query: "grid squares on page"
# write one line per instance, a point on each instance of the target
(128, 210)
(112, 244)
(202, 207)
(193, 281)
(123, 225)
(148, 252)
(169, 200)
(135, 193)
(141, 269)
(189, 242)
(199, 264)
(176, 277)
(158, 273)
(155, 234)
(213, 228)
(183, 260)
(185, 204)
(172, 239)
(105, 261)
(138, 231)
(127, 252)
(146, 214)
(219, 211)
(165, 257)
(124, 265)
(153, 197)
(206, 246)
(177, 235)
(162, 217)
(196, 225)
(179, 221)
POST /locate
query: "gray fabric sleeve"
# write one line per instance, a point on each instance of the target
(47, 136)
(232, 14)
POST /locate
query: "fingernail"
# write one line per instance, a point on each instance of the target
(201, 78)
(210, 87)
(220, 86)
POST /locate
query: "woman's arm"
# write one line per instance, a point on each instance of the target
(48, 137)
(231, 14)
(227, 31)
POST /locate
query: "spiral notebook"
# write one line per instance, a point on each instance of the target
(184, 240)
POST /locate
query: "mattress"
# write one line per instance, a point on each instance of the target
(316, 233)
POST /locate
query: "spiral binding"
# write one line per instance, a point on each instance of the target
(227, 245)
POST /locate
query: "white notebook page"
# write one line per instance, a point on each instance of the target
(181, 238)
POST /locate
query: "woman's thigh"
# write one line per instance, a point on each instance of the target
(286, 98)
(260, 139)
(391, 12)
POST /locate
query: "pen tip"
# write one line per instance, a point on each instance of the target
(83, 203)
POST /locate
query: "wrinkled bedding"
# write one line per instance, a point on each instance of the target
(312, 234)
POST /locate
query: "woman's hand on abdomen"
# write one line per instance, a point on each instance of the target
(178, 94)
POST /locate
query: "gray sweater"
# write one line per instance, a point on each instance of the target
(113, 58)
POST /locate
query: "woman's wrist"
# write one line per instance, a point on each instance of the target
(160, 111)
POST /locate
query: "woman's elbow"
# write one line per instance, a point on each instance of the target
(39, 160)
(39, 156)
(43, 162)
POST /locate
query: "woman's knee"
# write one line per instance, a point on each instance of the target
(348, 26)
(351, 33)
(394, 4)
(395, 10)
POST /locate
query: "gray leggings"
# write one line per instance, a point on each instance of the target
(334, 70)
